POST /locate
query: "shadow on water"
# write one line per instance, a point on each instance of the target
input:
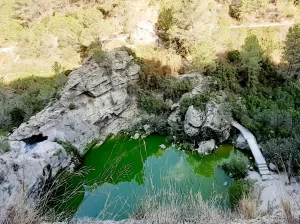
(125, 171)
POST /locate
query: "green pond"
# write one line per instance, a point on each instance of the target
(125, 171)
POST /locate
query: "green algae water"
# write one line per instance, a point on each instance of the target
(126, 171)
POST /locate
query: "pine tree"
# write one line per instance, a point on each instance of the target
(292, 47)
(251, 58)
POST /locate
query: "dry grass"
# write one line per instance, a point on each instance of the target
(288, 211)
(43, 208)
(22, 213)
(165, 206)
(248, 206)
(159, 60)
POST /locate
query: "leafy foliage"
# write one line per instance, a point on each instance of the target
(233, 56)
(237, 166)
(292, 52)
(152, 105)
(251, 58)
(17, 116)
(174, 89)
(238, 189)
(159, 124)
(226, 77)
(27, 97)
(198, 101)
(279, 151)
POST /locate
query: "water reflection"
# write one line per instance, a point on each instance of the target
(126, 171)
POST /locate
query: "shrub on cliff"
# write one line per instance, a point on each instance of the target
(151, 104)
(237, 166)
(174, 89)
(198, 101)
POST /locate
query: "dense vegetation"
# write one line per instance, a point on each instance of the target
(262, 92)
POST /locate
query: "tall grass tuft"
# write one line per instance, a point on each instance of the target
(248, 206)
(168, 206)
(47, 207)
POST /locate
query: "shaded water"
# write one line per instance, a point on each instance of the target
(126, 170)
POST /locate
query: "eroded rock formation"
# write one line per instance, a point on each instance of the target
(93, 103)
(211, 123)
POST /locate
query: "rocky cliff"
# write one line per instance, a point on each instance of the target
(93, 103)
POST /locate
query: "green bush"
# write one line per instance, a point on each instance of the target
(238, 189)
(225, 76)
(233, 56)
(159, 124)
(165, 19)
(284, 152)
(72, 106)
(198, 101)
(187, 146)
(17, 116)
(237, 166)
(151, 104)
(4, 146)
(174, 89)
(151, 81)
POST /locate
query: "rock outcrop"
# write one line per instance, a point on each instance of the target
(211, 123)
(217, 122)
(93, 104)
(207, 146)
(174, 118)
(241, 142)
(26, 173)
(145, 33)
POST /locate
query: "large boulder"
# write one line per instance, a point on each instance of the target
(93, 104)
(206, 146)
(174, 119)
(194, 117)
(26, 173)
(273, 167)
(193, 121)
(190, 130)
(217, 122)
(241, 142)
(211, 123)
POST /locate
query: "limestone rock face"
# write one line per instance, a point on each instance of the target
(194, 117)
(193, 121)
(174, 118)
(241, 142)
(213, 123)
(206, 146)
(27, 172)
(144, 33)
(93, 104)
(98, 93)
(216, 123)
